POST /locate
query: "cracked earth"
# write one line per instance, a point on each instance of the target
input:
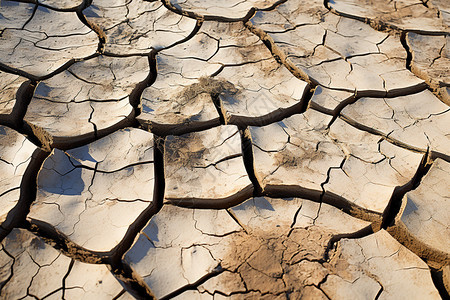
(248, 149)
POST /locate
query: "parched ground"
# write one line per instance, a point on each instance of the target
(243, 149)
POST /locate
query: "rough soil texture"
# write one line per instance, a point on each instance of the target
(254, 149)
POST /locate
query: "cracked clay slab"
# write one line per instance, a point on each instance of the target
(42, 42)
(94, 192)
(431, 60)
(425, 211)
(210, 160)
(336, 52)
(232, 72)
(88, 98)
(137, 27)
(29, 268)
(221, 10)
(176, 104)
(297, 143)
(264, 256)
(300, 156)
(413, 15)
(373, 167)
(378, 265)
(168, 259)
(418, 121)
(249, 248)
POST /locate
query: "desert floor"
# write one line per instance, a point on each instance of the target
(243, 149)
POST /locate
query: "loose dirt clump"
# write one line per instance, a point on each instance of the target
(207, 85)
